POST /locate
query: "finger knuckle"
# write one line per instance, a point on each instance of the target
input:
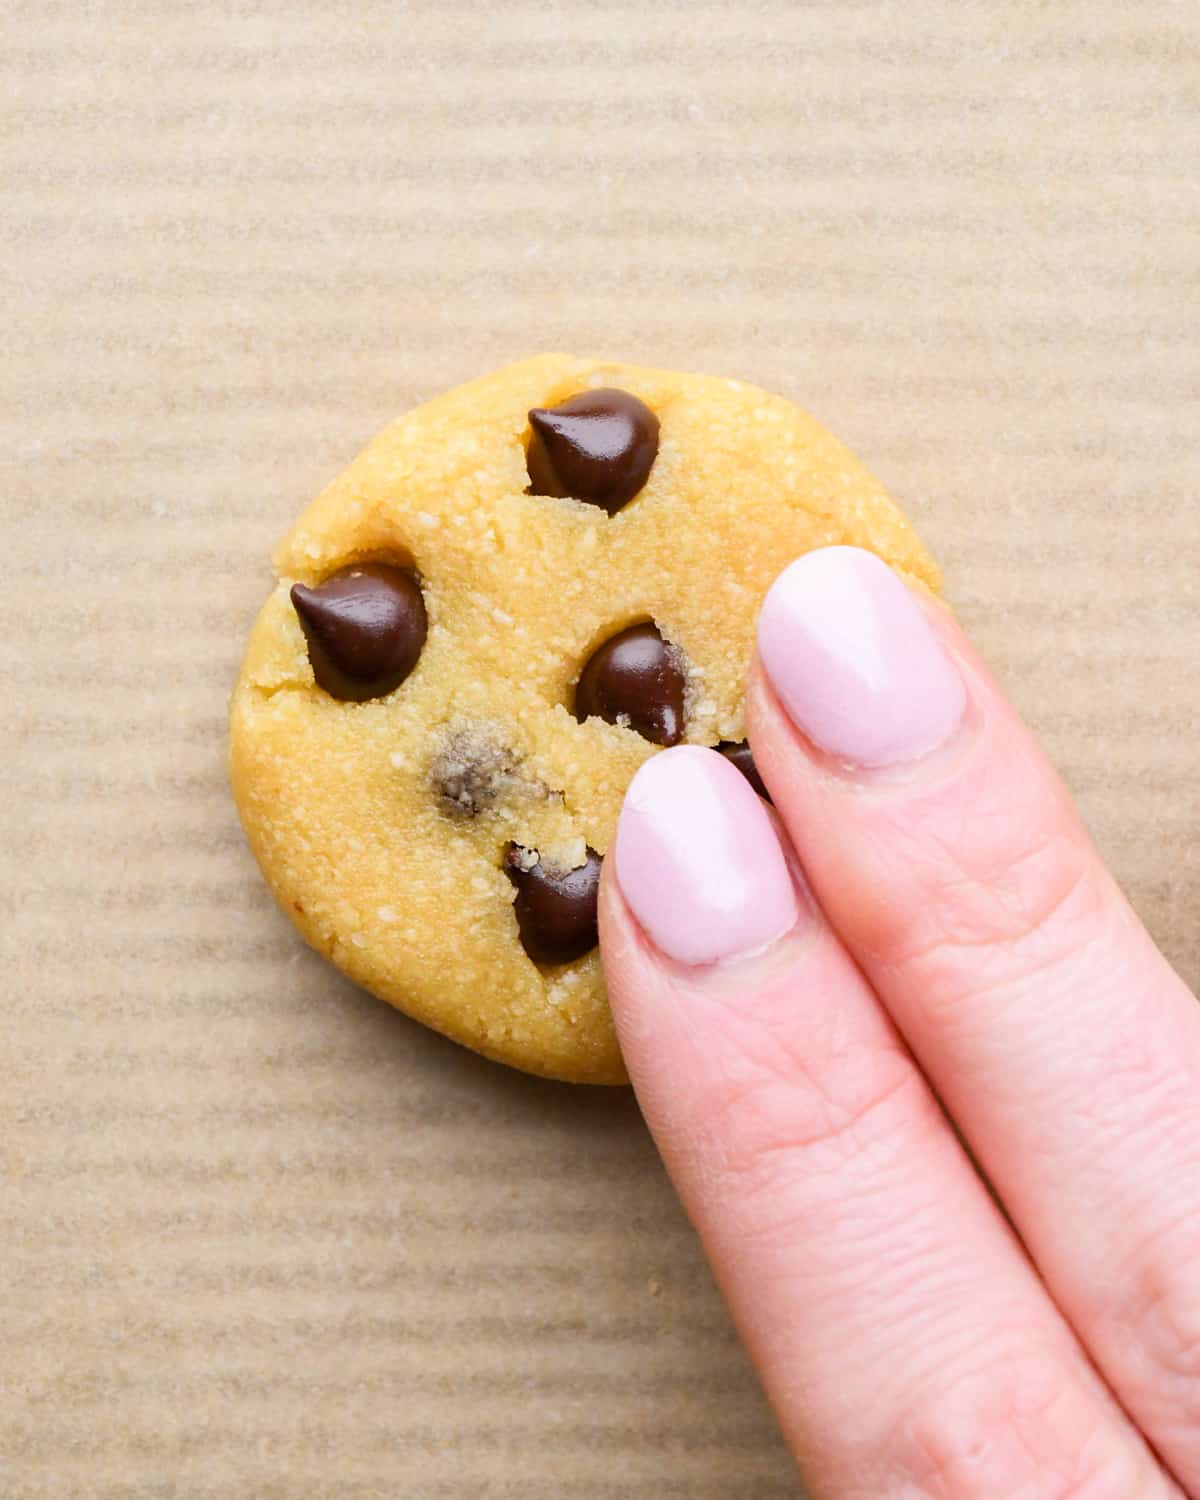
(1008, 887)
(1001, 909)
(1009, 895)
(1164, 1310)
(1019, 1435)
(786, 1114)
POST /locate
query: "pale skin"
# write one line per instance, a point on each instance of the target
(928, 1090)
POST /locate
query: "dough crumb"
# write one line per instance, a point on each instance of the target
(569, 854)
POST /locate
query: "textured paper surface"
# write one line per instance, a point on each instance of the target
(258, 1235)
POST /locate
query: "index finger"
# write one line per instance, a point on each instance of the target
(901, 1334)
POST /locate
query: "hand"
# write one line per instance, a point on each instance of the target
(922, 949)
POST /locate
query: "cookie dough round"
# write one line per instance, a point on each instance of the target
(387, 827)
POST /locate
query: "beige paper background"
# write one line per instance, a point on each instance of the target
(258, 1235)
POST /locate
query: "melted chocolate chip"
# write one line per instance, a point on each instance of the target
(597, 446)
(365, 627)
(635, 679)
(740, 756)
(472, 770)
(555, 909)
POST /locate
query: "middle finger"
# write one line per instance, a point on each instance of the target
(965, 886)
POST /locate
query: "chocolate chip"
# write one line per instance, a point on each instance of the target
(597, 446)
(635, 679)
(555, 909)
(365, 627)
(741, 757)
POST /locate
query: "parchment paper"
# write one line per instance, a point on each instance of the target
(259, 1236)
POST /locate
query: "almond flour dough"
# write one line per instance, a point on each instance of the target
(427, 799)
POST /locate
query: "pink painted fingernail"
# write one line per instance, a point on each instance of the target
(698, 860)
(855, 662)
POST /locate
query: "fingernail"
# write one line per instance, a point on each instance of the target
(698, 859)
(855, 662)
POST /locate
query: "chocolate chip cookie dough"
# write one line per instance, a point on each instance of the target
(513, 597)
